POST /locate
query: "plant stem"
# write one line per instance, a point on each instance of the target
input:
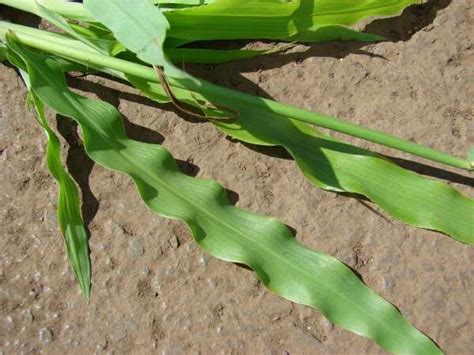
(71, 10)
(75, 51)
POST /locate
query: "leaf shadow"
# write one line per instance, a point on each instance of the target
(21, 17)
(80, 167)
(113, 97)
(432, 171)
(412, 20)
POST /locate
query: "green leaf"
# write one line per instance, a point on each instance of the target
(227, 232)
(329, 164)
(216, 56)
(3, 52)
(297, 20)
(183, 2)
(71, 10)
(333, 165)
(104, 40)
(145, 37)
(181, 56)
(334, 33)
(336, 166)
(86, 35)
(68, 210)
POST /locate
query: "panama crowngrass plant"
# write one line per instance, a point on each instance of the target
(140, 42)
(224, 231)
(328, 164)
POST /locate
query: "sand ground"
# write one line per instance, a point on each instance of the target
(155, 291)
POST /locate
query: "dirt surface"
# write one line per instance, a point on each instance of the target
(155, 291)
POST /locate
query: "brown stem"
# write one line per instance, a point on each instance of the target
(234, 115)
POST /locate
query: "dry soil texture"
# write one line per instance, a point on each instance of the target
(155, 291)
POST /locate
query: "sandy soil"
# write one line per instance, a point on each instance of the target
(155, 291)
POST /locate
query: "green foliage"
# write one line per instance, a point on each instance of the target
(224, 231)
(333, 165)
(325, 162)
(298, 20)
(123, 38)
(68, 210)
(144, 37)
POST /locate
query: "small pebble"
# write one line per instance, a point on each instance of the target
(27, 315)
(67, 271)
(203, 262)
(37, 276)
(101, 344)
(101, 246)
(45, 335)
(174, 242)
(113, 228)
(118, 334)
(51, 217)
(131, 326)
(135, 248)
(156, 285)
(190, 247)
(9, 323)
(109, 262)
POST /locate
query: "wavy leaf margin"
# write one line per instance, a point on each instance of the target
(264, 244)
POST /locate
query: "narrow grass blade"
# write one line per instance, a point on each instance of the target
(333, 165)
(3, 52)
(57, 20)
(68, 210)
(71, 10)
(182, 56)
(214, 56)
(227, 232)
(274, 19)
(297, 20)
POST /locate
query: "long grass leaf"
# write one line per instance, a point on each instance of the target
(333, 165)
(229, 233)
(69, 206)
(216, 56)
(103, 46)
(71, 10)
(274, 19)
(297, 20)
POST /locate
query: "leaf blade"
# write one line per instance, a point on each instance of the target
(68, 210)
(297, 20)
(229, 233)
(336, 166)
